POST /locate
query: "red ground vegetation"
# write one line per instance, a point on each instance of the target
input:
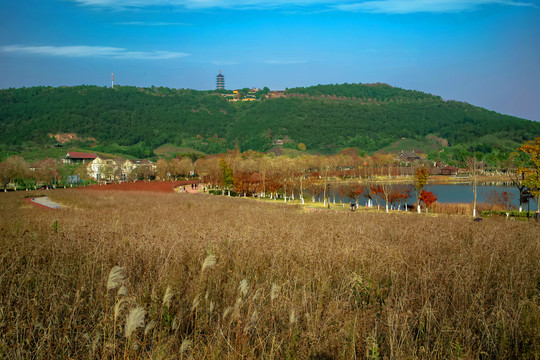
(152, 186)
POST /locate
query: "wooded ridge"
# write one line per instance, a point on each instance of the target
(324, 118)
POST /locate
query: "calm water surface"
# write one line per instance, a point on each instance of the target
(462, 193)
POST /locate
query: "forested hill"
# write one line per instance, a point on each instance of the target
(376, 93)
(326, 118)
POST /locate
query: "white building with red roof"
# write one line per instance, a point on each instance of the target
(78, 157)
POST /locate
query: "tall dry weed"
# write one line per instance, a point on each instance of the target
(323, 284)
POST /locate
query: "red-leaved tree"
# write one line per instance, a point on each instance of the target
(428, 198)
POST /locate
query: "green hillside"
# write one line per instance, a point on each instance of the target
(326, 118)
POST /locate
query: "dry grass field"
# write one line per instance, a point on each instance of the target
(143, 275)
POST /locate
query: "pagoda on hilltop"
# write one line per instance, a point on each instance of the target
(220, 81)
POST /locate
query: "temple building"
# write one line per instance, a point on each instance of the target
(220, 81)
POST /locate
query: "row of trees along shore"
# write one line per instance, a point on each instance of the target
(307, 177)
(257, 174)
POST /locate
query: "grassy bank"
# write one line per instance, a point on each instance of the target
(219, 277)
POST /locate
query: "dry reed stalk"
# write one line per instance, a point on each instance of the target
(425, 287)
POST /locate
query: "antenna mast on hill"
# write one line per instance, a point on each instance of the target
(112, 80)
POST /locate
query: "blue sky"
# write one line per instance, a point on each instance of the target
(485, 52)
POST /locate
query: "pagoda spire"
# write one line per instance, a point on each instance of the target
(220, 81)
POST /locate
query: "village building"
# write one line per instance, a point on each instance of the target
(408, 157)
(78, 157)
(108, 169)
(102, 168)
(449, 170)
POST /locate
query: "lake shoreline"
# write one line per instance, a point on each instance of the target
(434, 179)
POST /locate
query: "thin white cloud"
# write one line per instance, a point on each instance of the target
(369, 6)
(203, 4)
(282, 62)
(224, 63)
(91, 51)
(144, 23)
(429, 6)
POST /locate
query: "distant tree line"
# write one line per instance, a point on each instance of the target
(253, 173)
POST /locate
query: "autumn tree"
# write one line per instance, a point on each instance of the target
(162, 169)
(175, 168)
(301, 165)
(385, 160)
(209, 169)
(428, 198)
(499, 200)
(342, 164)
(283, 170)
(263, 165)
(242, 175)
(516, 161)
(184, 167)
(473, 165)
(531, 170)
(13, 170)
(400, 194)
(368, 193)
(357, 191)
(315, 188)
(107, 170)
(343, 190)
(377, 193)
(47, 171)
(118, 168)
(4, 176)
(142, 172)
(81, 170)
(271, 179)
(386, 190)
(421, 176)
(227, 180)
(325, 166)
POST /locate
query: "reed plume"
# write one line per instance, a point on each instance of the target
(169, 293)
(122, 291)
(149, 327)
(274, 292)
(134, 320)
(116, 276)
(209, 262)
(186, 345)
(243, 287)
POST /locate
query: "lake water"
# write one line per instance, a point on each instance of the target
(462, 193)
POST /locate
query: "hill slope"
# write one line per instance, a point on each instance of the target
(326, 118)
